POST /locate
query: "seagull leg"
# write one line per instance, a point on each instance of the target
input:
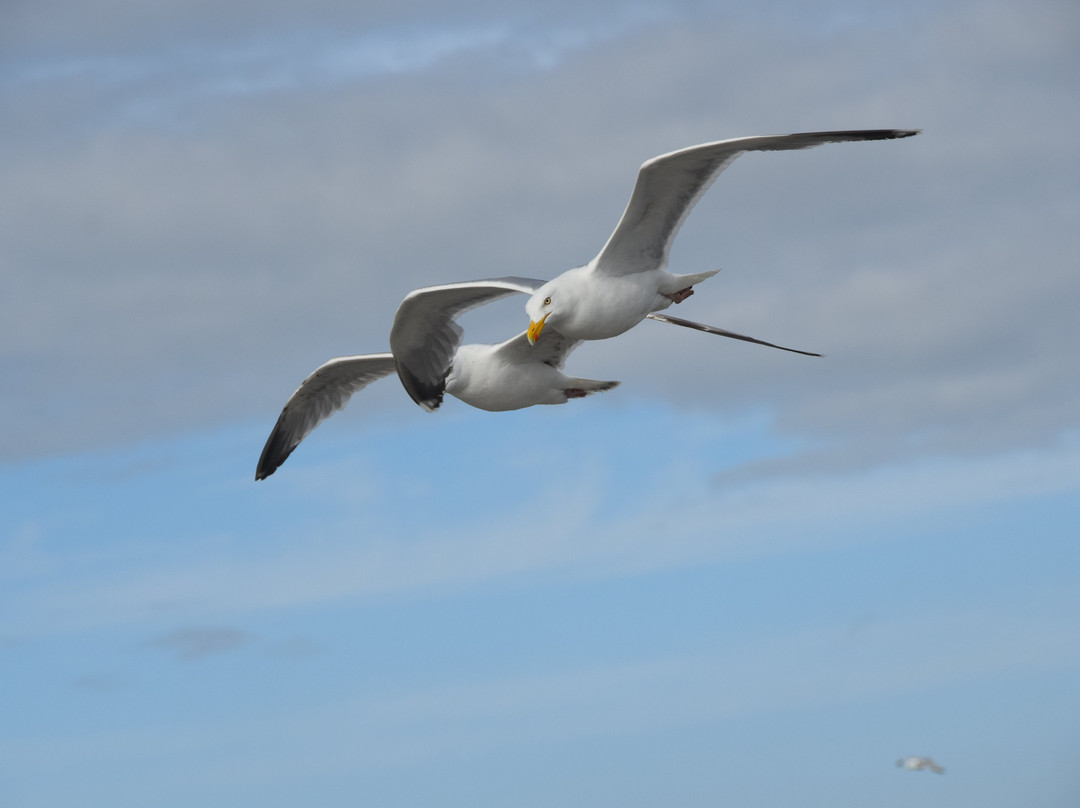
(681, 295)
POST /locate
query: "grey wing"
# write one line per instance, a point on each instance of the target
(551, 348)
(322, 393)
(425, 335)
(668, 186)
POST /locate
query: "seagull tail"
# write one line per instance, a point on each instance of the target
(676, 283)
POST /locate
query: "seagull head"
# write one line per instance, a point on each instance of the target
(539, 309)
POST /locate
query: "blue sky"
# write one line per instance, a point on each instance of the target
(742, 577)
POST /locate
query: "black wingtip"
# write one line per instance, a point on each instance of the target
(428, 396)
(266, 468)
(847, 135)
(274, 453)
(894, 134)
(262, 472)
(850, 135)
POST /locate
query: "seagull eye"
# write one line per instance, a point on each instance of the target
(547, 301)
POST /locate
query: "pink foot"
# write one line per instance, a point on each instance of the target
(681, 295)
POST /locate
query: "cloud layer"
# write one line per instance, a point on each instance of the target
(190, 229)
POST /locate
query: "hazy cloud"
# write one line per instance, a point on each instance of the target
(676, 513)
(298, 646)
(905, 655)
(192, 644)
(190, 230)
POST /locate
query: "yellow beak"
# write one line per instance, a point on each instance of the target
(535, 327)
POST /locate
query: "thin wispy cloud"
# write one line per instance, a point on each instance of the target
(680, 517)
(193, 644)
(298, 646)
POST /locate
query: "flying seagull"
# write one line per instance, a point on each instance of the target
(916, 764)
(628, 280)
(507, 376)
(425, 337)
(427, 354)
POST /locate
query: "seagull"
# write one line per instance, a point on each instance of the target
(915, 764)
(624, 283)
(425, 337)
(507, 376)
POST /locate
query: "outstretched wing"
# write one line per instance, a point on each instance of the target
(325, 391)
(425, 335)
(668, 186)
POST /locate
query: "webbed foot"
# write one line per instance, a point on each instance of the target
(681, 295)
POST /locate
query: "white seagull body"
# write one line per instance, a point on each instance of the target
(628, 279)
(916, 764)
(508, 376)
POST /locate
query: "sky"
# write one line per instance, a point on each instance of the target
(743, 577)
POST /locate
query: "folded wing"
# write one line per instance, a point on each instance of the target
(425, 335)
(550, 347)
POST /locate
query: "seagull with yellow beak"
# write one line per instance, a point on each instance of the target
(628, 279)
